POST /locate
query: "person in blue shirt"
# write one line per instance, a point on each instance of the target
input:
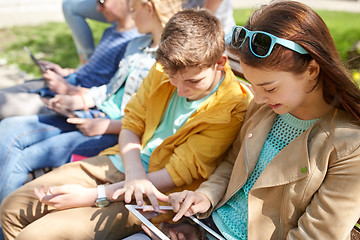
(24, 99)
(76, 12)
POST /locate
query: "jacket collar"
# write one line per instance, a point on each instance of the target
(220, 103)
(144, 45)
(290, 164)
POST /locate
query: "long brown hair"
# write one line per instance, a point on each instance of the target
(299, 23)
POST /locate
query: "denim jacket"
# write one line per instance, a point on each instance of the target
(135, 65)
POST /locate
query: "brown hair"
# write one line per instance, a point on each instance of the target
(191, 38)
(299, 23)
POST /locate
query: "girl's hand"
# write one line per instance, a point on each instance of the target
(66, 196)
(188, 203)
(69, 102)
(58, 108)
(139, 187)
(91, 126)
(56, 82)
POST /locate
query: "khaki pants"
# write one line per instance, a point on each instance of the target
(24, 217)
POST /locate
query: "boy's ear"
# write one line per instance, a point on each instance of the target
(220, 64)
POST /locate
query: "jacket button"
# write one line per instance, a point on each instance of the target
(303, 169)
(249, 135)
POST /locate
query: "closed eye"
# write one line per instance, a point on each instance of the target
(270, 90)
(194, 81)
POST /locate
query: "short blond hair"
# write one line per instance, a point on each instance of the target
(165, 9)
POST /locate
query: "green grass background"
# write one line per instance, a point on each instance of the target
(342, 26)
(53, 41)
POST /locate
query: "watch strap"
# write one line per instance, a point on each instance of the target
(101, 194)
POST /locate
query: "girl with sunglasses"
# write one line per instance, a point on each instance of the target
(294, 170)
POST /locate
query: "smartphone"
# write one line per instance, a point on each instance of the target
(37, 63)
(191, 226)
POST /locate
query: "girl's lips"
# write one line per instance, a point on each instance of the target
(274, 106)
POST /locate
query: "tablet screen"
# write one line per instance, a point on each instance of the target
(143, 214)
(191, 227)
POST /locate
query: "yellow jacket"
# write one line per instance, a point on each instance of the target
(309, 190)
(194, 151)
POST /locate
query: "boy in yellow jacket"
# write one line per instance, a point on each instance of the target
(175, 131)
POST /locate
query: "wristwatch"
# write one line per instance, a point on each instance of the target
(101, 200)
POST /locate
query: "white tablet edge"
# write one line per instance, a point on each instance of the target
(133, 209)
(209, 230)
(155, 230)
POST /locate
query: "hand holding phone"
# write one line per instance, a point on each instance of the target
(37, 63)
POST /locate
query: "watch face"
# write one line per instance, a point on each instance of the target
(102, 203)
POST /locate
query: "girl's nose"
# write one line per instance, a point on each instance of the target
(259, 98)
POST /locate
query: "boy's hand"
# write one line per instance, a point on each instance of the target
(91, 126)
(66, 196)
(188, 203)
(139, 187)
(56, 82)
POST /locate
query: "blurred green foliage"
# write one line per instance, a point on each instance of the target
(53, 41)
(49, 41)
(342, 26)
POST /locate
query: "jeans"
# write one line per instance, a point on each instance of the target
(138, 236)
(31, 142)
(75, 14)
(25, 99)
(17, 100)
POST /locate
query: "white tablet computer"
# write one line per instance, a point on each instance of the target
(140, 212)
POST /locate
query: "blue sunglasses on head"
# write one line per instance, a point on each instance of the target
(261, 43)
